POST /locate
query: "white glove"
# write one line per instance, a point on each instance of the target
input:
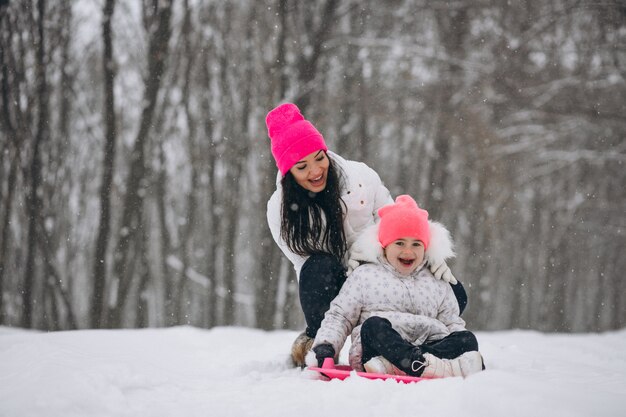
(352, 265)
(440, 249)
(442, 271)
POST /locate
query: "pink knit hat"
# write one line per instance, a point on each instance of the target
(292, 136)
(404, 218)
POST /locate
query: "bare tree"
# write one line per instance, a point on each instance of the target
(10, 147)
(267, 281)
(42, 134)
(175, 295)
(159, 30)
(108, 167)
(212, 221)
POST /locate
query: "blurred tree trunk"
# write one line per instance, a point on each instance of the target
(618, 289)
(12, 160)
(34, 203)
(58, 194)
(159, 35)
(353, 123)
(452, 29)
(165, 247)
(157, 180)
(238, 149)
(177, 299)
(208, 171)
(307, 65)
(54, 290)
(53, 222)
(145, 277)
(10, 149)
(268, 254)
(108, 166)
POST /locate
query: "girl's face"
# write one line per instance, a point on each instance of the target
(405, 254)
(311, 172)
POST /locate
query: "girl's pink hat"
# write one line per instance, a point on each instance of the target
(402, 219)
(292, 136)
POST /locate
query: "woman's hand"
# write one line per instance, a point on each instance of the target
(440, 249)
(442, 271)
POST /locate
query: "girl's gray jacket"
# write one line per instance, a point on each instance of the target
(420, 307)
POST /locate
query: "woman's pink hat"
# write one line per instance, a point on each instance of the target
(402, 219)
(292, 136)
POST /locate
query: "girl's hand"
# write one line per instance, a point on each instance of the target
(322, 352)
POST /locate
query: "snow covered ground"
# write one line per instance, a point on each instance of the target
(189, 372)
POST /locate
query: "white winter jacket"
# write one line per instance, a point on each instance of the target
(420, 307)
(363, 194)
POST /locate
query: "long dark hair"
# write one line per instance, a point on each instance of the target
(312, 223)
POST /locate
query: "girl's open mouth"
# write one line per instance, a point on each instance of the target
(406, 262)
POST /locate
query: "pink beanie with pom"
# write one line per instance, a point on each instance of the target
(402, 219)
(292, 136)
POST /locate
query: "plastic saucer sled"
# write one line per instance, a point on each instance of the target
(332, 371)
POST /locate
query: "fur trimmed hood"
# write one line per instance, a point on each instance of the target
(367, 249)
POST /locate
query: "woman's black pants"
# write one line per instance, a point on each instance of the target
(321, 278)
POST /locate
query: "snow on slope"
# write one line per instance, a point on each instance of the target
(230, 371)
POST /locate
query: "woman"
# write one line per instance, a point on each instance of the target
(321, 215)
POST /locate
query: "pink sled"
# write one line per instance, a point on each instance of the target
(341, 372)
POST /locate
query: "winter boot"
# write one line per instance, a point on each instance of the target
(300, 348)
(380, 365)
(434, 367)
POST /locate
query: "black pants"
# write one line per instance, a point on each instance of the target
(379, 338)
(321, 278)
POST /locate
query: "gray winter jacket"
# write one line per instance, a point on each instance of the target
(420, 307)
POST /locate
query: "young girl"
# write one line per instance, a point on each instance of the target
(402, 319)
(321, 206)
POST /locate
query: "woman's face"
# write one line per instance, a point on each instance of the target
(311, 172)
(405, 254)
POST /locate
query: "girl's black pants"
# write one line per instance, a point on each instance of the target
(379, 338)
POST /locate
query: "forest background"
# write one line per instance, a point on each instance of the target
(135, 164)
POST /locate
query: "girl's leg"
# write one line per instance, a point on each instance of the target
(378, 338)
(451, 346)
(321, 278)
